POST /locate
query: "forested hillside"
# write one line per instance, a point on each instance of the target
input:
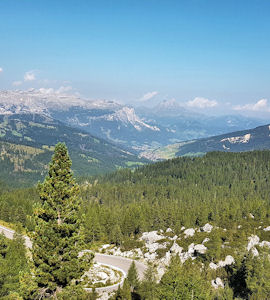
(218, 187)
(24, 158)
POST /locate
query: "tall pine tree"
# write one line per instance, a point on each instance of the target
(133, 277)
(57, 238)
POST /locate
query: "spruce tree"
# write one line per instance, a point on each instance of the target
(57, 238)
(116, 235)
(148, 287)
(132, 277)
(125, 292)
(183, 282)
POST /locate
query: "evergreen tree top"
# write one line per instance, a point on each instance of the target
(58, 237)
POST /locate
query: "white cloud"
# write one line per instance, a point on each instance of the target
(200, 102)
(1, 70)
(61, 90)
(261, 105)
(46, 91)
(30, 76)
(17, 83)
(64, 89)
(148, 96)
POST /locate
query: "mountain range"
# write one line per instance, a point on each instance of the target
(103, 136)
(190, 125)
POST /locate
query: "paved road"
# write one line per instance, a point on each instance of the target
(117, 262)
(120, 262)
(9, 234)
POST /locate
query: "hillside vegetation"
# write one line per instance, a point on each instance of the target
(24, 159)
(213, 211)
(218, 187)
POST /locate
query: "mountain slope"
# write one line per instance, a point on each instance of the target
(105, 119)
(27, 142)
(239, 141)
(120, 126)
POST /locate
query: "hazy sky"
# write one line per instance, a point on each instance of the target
(214, 55)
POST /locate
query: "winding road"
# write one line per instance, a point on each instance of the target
(117, 262)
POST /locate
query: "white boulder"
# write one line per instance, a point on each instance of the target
(200, 248)
(153, 247)
(207, 228)
(191, 249)
(265, 244)
(189, 232)
(166, 259)
(267, 228)
(252, 241)
(229, 260)
(175, 248)
(151, 237)
(185, 256)
(160, 271)
(169, 230)
(105, 246)
(138, 252)
(216, 283)
(255, 252)
(213, 266)
(150, 256)
(205, 240)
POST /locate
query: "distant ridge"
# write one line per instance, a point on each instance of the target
(239, 141)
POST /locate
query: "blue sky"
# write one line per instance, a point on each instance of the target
(141, 50)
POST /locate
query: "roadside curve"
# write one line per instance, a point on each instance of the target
(117, 262)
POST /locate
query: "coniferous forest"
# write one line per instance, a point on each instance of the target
(230, 191)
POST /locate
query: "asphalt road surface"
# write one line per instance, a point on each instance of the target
(117, 262)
